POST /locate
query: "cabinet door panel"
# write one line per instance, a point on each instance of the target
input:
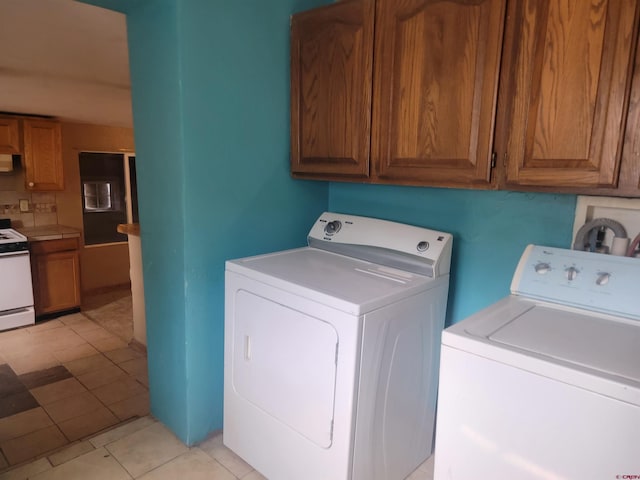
(57, 282)
(568, 74)
(43, 155)
(9, 136)
(435, 82)
(331, 70)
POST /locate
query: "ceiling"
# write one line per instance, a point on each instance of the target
(65, 59)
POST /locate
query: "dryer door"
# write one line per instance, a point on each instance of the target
(284, 362)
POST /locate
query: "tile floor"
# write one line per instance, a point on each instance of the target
(63, 380)
(145, 449)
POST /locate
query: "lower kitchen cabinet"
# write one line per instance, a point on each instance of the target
(55, 266)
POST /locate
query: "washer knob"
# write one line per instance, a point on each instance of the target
(572, 273)
(333, 227)
(603, 278)
(542, 268)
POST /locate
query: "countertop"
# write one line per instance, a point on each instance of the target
(48, 232)
(129, 228)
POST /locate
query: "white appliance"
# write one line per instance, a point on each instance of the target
(331, 351)
(545, 384)
(16, 294)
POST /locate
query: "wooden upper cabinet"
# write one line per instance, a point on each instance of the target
(9, 135)
(566, 72)
(43, 155)
(435, 86)
(331, 70)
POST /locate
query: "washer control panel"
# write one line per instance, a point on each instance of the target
(595, 281)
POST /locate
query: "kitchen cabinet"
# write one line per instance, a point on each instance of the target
(427, 118)
(537, 88)
(566, 73)
(55, 267)
(9, 136)
(42, 155)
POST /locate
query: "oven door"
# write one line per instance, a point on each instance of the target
(16, 292)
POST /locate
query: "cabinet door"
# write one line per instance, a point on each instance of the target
(331, 69)
(9, 136)
(566, 80)
(43, 155)
(435, 84)
(56, 281)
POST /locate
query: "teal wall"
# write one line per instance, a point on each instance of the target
(210, 85)
(490, 230)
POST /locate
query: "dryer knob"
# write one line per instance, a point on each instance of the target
(542, 268)
(572, 273)
(333, 227)
(603, 278)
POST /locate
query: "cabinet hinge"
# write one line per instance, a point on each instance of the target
(493, 159)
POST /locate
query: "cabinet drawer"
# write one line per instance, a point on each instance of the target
(49, 246)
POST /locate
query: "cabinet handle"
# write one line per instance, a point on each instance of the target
(31, 184)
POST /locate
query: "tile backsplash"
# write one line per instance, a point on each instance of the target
(42, 207)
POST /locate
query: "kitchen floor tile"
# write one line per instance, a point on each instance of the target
(118, 390)
(137, 406)
(73, 353)
(88, 364)
(84, 325)
(33, 444)
(73, 318)
(98, 378)
(146, 449)
(24, 422)
(137, 366)
(27, 471)
(88, 423)
(96, 465)
(121, 431)
(123, 354)
(71, 452)
(47, 325)
(214, 447)
(199, 465)
(16, 403)
(30, 363)
(57, 391)
(107, 344)
(45, 377)
(72, 406)
(95, 334)
(254, 475)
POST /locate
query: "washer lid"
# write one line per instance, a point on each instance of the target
(593, 342)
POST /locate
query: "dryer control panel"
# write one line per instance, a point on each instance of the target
(594, 281)
(415, 249)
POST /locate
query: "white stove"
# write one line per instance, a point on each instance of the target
(16, 291)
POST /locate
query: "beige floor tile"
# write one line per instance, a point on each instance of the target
(68, 354)
(143, 379)
(108, 344)
(95, 334)
(45, 326)
(30, 363)
(44, 337)
(96, 465)
(254, 476)
(73, 318)
(72, 406)
(2, 359)
(70, 453)
(146, 449)
(137, 366)
(123, 354)
(137, 406)
(118, 390)
(98, 378)
(121, 431)
(199, 465)
(88, 364)
(23, 423)
(214, 447)
(57, 391)
(84, 325)
(88, 423)
(27, 471)
(33, 444)
(20, 347)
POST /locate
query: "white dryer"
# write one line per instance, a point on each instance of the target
(331, 351)
(545, 384)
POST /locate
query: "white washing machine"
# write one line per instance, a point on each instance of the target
(331, 351)
(545, 384)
